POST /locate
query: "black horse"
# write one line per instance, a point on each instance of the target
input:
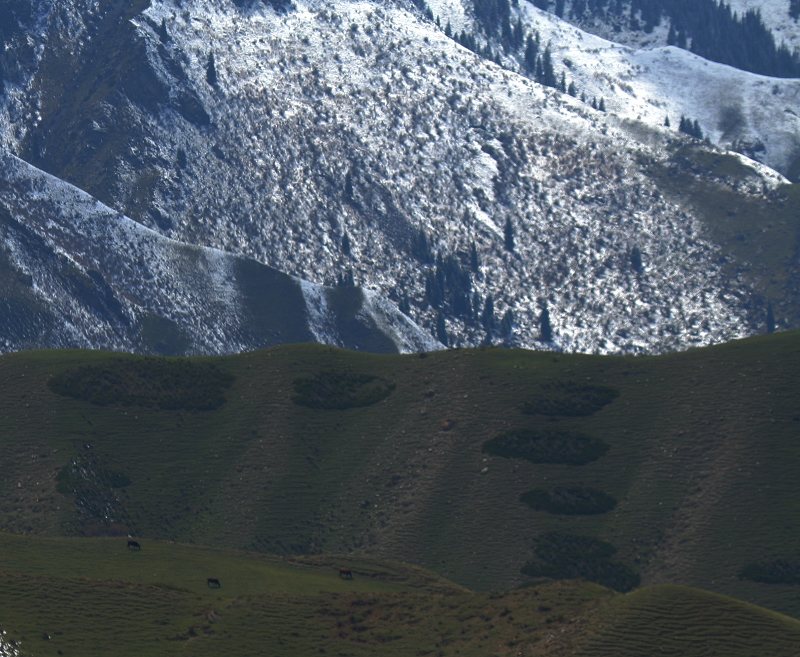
(213, 583)
(134, 546)
(345, 573)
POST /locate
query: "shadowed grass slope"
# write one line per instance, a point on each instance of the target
(701, 458)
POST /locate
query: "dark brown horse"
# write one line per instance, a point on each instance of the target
(345, 573)
(134, 546)
(213, 583)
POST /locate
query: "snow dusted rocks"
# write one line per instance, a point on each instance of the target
(281, 137)
(78, 274)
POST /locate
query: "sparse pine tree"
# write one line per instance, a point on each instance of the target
(548, 72)
(666, 122)
(545, 327)
(531, 54)
(636, 260)
(572, 90)
(562, 83)
(348, 187)
(211, 71)
(474, 260)
(487, 316)
(602, 105)
(163, 34)
(441, 330)
(346, 244)
(672, 38)
(507, 327)
(508, 235)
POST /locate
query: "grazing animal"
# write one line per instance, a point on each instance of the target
(213, 583)
(345, 573)
(134, 546)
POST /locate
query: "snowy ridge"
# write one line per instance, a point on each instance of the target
(101, 277)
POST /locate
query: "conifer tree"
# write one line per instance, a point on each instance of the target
(636, 260)
(770, 319)
(474, 260)
(404, 306)
(508, 235)
(507, 327)
(211, 71)
(545, 328)
(548, 72)
(346, 244)
(487, 316)
(163, 34)
(441, 329)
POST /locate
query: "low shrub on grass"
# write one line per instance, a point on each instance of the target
(170, 384)
(338, 390)
(547, 446)
(569, 400)
(567, 556)
(569, 501)
(777, 571)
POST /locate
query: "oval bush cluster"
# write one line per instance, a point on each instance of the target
(547, 446)
(777, 571)
(165, 383)
(338, 390)
(569, 556)
(570, 399)
(570, 501)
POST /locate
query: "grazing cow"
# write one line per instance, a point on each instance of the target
(345, 573)
(213, 583)
(134, 546)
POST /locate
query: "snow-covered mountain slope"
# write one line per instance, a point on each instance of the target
(775, 15)
(75, 273)
(356, 136)
(753, 114)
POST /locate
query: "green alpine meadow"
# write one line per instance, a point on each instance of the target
(482, 501)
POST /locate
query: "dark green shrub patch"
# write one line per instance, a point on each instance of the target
(547, 446)
(566, 556)
(169, 384)
(569, 400)
(778, 571)
(571, 501)
(340, 390)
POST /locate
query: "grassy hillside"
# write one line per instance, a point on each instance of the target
(92, 596)
(474, 464)
(675, 620)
